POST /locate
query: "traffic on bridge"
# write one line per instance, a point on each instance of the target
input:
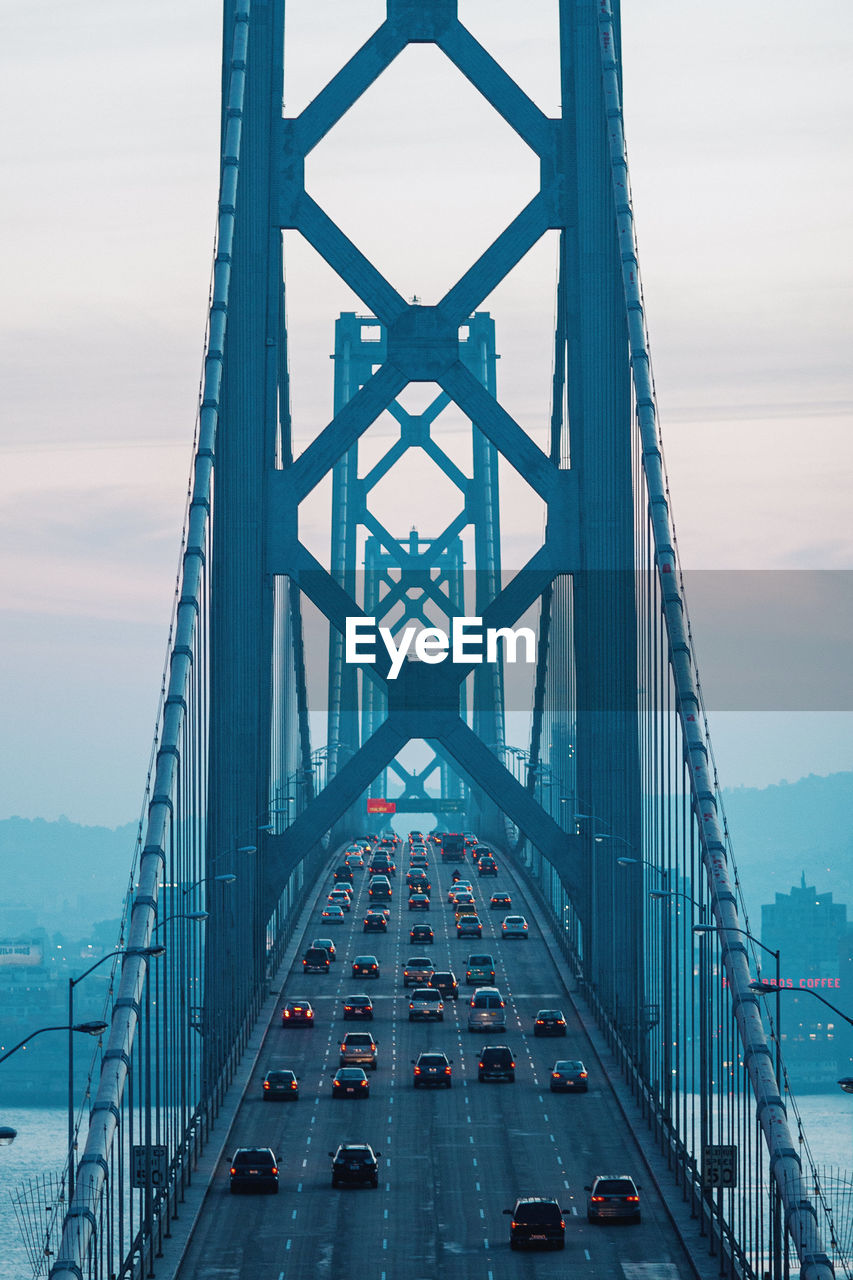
(450, 1159)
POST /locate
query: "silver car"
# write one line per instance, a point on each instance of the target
(358, 1049)
(613, 1197)
(426, 1003)
(487, 1010)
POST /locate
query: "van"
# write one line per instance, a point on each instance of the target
(486, 1010)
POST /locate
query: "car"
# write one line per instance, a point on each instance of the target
(464, 908)
(382, 865)
(426, 1003)
(415, 836)
(417, 971)
(549, 1022)
(496, 1062)
(390, 836)
(469, 927)
(365, 967)
(569, 1077)
(499, 900)
(480, 971)
(316, 960)
(421, 933)
(358, 1008)
(343, 873)
(254, 1169)
(339, 899)
(487, 1010)
(613, 1197)
(358, 1048)
(487, 867)
(344, 887)
(297, 1013)
(333, 914)
(418, 902)
(444, 980)
(280, 1084)
(327, 945)
(432, 1070)
(418, 862)
(380, 889)
(350, 1082)
(355, 861)
(514, 927)
(354, 1163)
(459, 886)
(375, 922)
(537, 1221)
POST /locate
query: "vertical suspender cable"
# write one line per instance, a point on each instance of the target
(80, 1221)
(785, 1165)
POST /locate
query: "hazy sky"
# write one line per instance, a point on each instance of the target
(738, 125)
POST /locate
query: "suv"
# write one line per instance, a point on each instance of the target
(343, 874)
(256, 1168)
(355, 1162)
(315, 960)
(536, 1220)
(417, 971)
(432, 1068)
(468, 927)
(358, 1049)
(480, 970)
(487, 1010)
(445, 981)
(426, 1002)
(613, 1196)
(496, 1062)
(380, 888)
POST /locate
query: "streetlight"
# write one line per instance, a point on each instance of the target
(226, 878)
(149, 952)
(183, 915)
(88, 1028)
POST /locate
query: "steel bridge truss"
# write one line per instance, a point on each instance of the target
(234, 726)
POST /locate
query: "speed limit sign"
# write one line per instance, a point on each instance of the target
(719, 1166)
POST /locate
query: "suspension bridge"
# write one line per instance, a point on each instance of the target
(604, 815)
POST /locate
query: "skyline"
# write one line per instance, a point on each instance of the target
(739, 182)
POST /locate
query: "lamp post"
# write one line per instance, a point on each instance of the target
(226, 878)
(87, 1028)
(148, 952)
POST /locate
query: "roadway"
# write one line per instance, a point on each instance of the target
(452, 1160)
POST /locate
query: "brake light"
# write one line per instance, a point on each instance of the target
(583, 1075)
(266, 1084)
(293, 1084)
(555, 1074)
(480, 1064)
(597, 1199)
(286, 1013)
(417, 1071)
(363, 1084)
(562, 1224)
(633, 1199)
(233, 1170)
(447, 1071)
(274, 1169)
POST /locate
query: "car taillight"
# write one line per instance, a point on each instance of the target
(597, 1198)
(562, 1224)
(363, 1084)
(286, 1013)
(555, 1074)
(233, 1170)
(447, 1071)
(633, 1199)
(266, 1084)
(274, 1169)
(309, 1013)
(512, 1064)
(417, 1071)
(293, 1084)
(583, 1075)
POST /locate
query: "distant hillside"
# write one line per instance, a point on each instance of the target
(782, 831)
(58, 872)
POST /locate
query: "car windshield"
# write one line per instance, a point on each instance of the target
(424, 993)
(254, 1157)
(351, 1073)
(359, 1000)
(361, 1154)
(536, 1213)
(480, 962)
(615, 1187)
(432, 1060)
(280, 1077)
(568, 1067)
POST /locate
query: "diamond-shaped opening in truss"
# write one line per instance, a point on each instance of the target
(422, 174)
(415, 495)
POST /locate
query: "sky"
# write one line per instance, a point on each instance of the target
(737, 123)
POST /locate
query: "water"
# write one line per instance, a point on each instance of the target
(40, 1149)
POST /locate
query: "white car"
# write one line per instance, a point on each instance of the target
(514, 927)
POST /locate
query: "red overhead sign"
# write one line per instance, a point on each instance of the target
(377, 805)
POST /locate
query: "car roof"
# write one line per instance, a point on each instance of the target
(568, 1064)
(363, 959)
